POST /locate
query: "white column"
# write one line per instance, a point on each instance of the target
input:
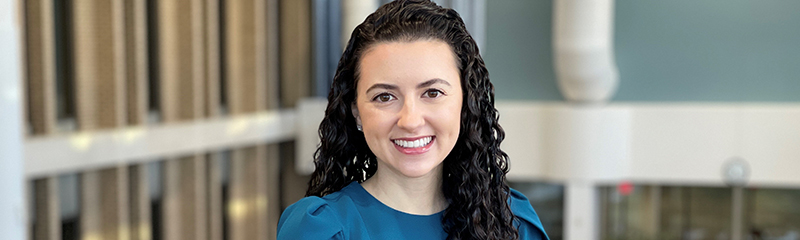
(12, 221)
(586, 145)
(581, 212)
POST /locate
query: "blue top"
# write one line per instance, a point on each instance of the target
(353, 213)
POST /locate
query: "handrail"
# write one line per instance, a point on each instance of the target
(53, 154)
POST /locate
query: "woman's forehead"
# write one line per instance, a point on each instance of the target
(408, 63)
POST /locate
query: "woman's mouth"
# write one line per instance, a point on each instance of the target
(414, 146)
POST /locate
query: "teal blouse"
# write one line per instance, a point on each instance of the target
(353, 213)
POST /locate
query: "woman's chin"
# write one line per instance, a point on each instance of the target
(418, 171)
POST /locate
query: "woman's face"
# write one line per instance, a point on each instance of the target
(409, 105)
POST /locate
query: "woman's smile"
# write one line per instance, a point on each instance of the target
(412, 146)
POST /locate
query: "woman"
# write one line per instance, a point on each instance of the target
(410, 139)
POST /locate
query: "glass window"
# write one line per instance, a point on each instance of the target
(773, 213)
(548, 201)
(665, 212)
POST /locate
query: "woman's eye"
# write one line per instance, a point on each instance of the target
(383, 98)
(433, 93)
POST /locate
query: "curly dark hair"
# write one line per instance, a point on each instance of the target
(474, 171)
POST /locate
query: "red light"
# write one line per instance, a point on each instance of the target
(625, 188)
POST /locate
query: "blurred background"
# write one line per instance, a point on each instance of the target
(197, 119)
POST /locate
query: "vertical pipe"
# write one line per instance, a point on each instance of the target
(583, 49)
(12, 222)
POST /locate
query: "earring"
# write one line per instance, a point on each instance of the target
(358, 126)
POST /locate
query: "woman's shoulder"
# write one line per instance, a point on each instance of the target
(528, 223)
(322, 214)
(310, 213)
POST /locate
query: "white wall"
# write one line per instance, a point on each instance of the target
(12, 207)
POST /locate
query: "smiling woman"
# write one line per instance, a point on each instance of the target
(407, 100)
(410, 139)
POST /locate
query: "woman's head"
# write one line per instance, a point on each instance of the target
(410, 72)
(408, 102)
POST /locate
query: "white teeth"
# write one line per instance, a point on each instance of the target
(413, 144)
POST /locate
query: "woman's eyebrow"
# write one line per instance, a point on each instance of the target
(431, 82)
(421, 85)
(382, 85)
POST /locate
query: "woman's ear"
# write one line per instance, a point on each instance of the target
(354, 109)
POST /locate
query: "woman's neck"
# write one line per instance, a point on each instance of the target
(420, 196)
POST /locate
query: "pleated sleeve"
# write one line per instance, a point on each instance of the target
(310, 218)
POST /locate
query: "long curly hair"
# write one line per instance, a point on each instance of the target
(473, 173)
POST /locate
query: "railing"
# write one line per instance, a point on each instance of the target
(159, 119)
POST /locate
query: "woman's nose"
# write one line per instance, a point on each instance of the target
(410, 117)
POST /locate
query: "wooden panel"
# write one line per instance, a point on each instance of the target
(243, 204)
(40, 65)
(295, 21)
(172, 199)
(272, 39)
(261, 192)
(140, 224)
(272, 181)
(98, 27)
(253, 207)
(294, 183)
(240, 62)
(215, 216)
(47, 221)
(136, 62)
(31, 220)
(212, 57)
(261, 55)
(198, 63)
(180, 73)
(105, 204)
(185, 211)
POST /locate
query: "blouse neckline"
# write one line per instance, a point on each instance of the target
(358, 189)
